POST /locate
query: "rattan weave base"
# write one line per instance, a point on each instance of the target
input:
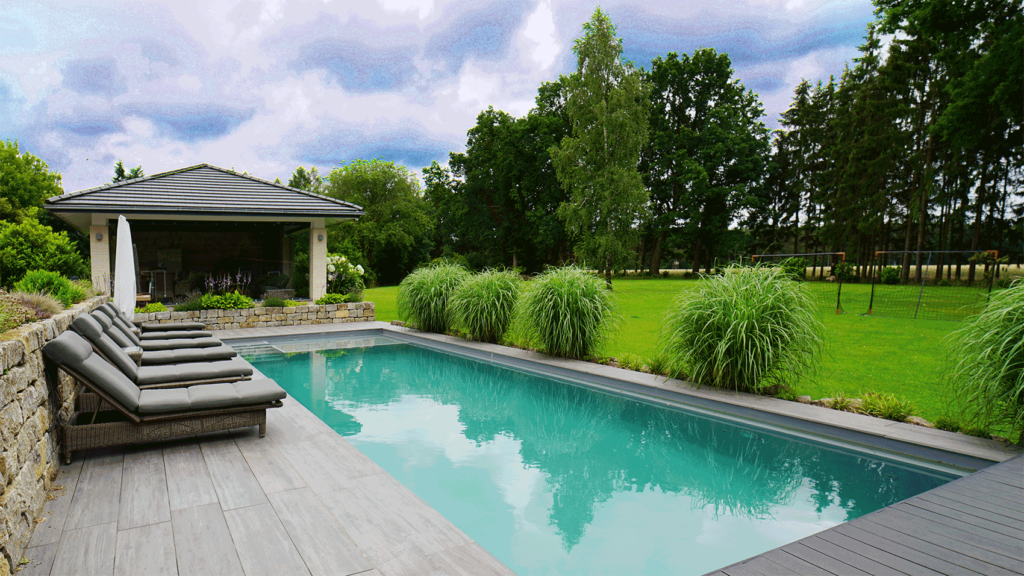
(82, 436)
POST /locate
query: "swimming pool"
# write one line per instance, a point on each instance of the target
(553, 477)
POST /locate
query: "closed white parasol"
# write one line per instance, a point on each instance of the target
(124, 270)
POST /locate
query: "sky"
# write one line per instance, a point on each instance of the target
(265, 86)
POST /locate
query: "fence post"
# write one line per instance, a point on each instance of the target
(871, 303)
(924, 274)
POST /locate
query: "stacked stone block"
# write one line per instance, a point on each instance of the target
(29, 451)
(264, 317)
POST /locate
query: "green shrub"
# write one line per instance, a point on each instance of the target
(889, 275)
(977, 431)
(329, 299)
(633, 362)
(193, 302)
(795, 268)
(13, 312)
(423, 295)
(567, 310)
(234, 301)
(986, 373)
(31, 246)
(948, 424)
(274, 302)
(888, 406)
(151, 307)
(482, 305)
(41, 304)
(52, 283)
(747, 330)
(944, 283)
(786, 393)
(840, 401)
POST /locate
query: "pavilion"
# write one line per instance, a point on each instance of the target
(204, 220)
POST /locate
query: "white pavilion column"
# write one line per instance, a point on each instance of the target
(317, 258)
(99, 254)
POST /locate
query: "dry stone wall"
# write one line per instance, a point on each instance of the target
(261, 317)
(29, 458)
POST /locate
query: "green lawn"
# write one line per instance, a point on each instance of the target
(863, 353)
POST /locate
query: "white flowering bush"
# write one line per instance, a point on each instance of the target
(343, 277)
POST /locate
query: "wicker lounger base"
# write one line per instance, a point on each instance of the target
(111, 429)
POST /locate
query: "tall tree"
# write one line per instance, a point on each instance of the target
(308, 180)
(706, 155)
(120, 174)
(607, 106)
(394, 234)
(25, 183)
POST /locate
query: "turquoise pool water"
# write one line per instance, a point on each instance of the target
(554, 478)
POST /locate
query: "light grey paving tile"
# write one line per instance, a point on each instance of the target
(98, 490)
(87, 550)
(188, 479)
(143, 489)
(412, 562)
(469, 560)
(40, 560)
(146, 551)
(55, 511)
(235, 484)
(268, 464)
(433, 531)
(380, 534)
(319, 538)
(263, 545)
(202, 542)
(327, 462)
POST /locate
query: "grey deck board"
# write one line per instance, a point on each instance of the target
(55, 511)
(263, 545)
(762, 565)
(319, 538)
(969, 526)
(88, 550)
(267, 463)
(202, 542)
(188, 479)
(893, 561)
(967, 510)
(915, 555)
(143, 490)
(235, 483)
(98, 490)
(40, 560)
(146, 550)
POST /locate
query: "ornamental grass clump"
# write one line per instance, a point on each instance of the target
(423, 295)
(749, 330)
(482, 305)
(986, 357)
(567, 311)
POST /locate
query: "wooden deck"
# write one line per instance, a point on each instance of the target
(974, 525)
(300, 501)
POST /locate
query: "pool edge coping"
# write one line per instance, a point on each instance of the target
(944, 448)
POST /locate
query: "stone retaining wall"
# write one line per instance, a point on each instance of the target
(29, 454)
(264, 317)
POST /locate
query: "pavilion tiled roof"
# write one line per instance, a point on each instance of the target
(202, 190)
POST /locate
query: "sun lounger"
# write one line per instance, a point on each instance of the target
(149, 415)
(167, 356)
(128, 328)
(164, 375)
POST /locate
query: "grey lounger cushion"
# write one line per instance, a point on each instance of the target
(210, 396)
(73, 351)
(175, 334)
(179, 343)
(186, 355)
(118, 323)
(173, 326)
(92, 330)
(166, 373)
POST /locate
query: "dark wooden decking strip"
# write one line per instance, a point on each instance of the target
(974, 525)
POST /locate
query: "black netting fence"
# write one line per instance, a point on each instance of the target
(934, 285)
(821, 272)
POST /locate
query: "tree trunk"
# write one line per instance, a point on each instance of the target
(696, 257)
(656, 254)
(906, 248)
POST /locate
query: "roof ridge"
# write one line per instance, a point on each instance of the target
(109, 186)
